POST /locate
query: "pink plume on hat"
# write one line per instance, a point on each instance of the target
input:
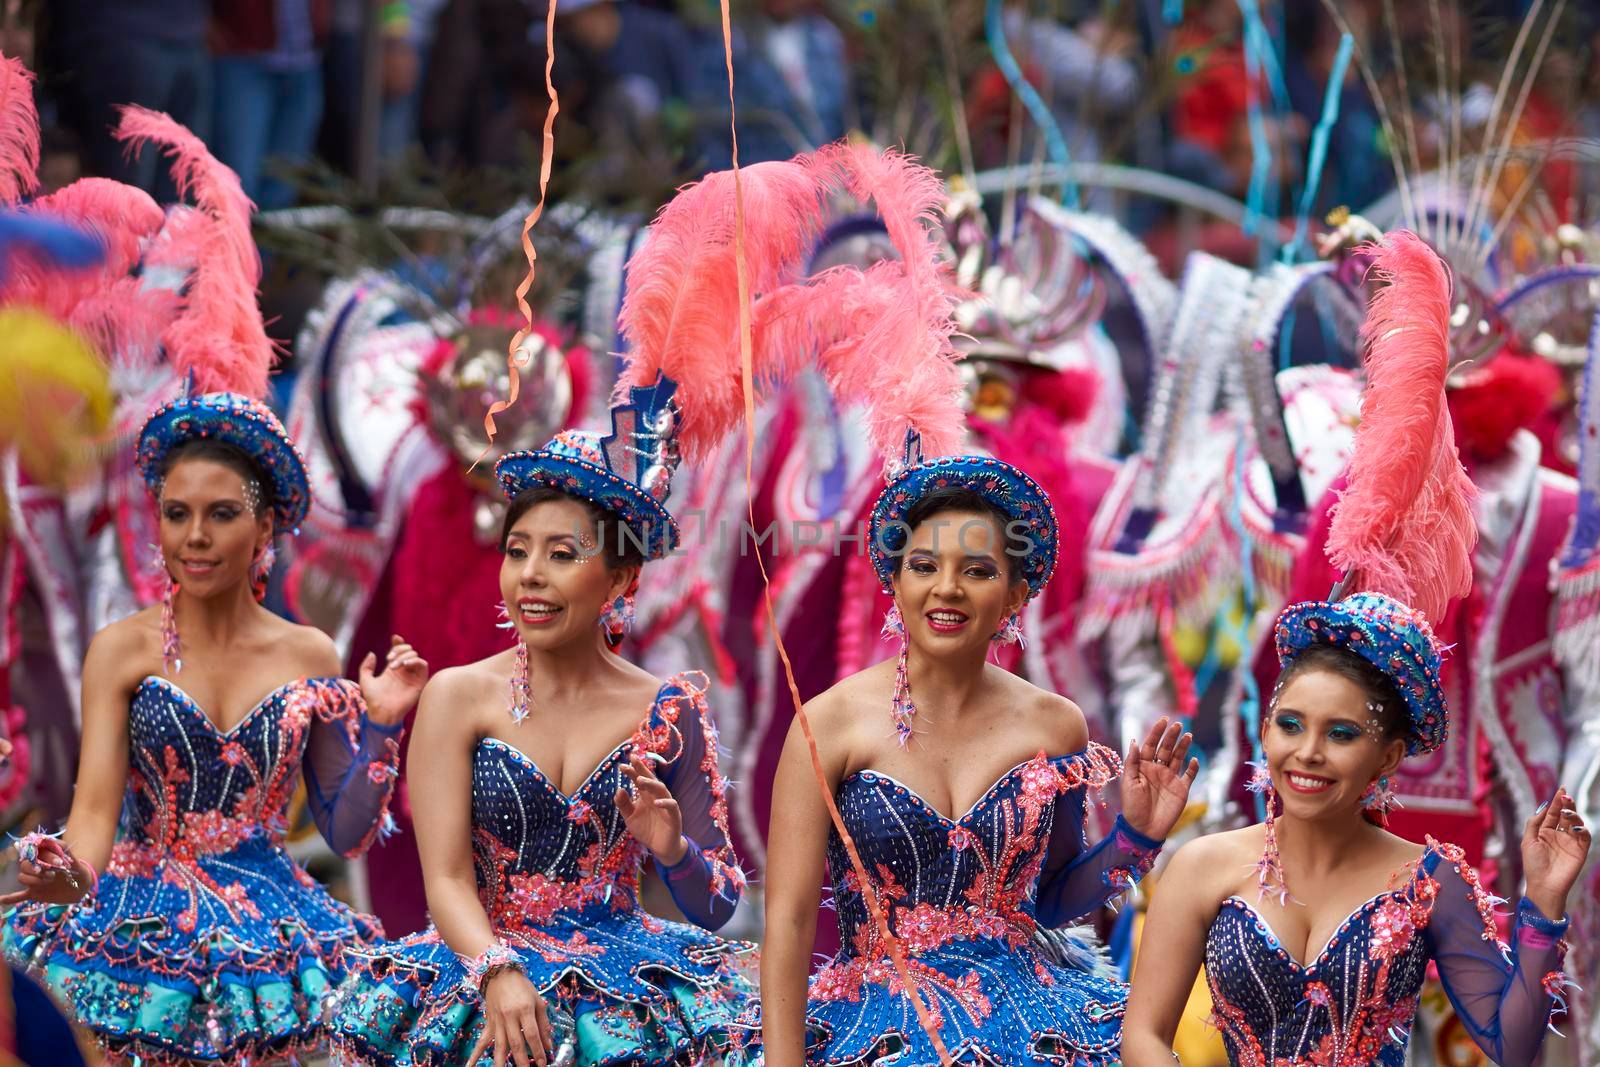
(1405, 527)
(681, 313)
(19, 132)
(880, 336)
(218, 334)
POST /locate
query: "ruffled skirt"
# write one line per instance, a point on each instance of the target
(640, 990)
(992, 1003)
(217, 958)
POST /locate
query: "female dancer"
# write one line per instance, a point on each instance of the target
(962, 542)
(540, 778)
(1326, 967)
(203, 941)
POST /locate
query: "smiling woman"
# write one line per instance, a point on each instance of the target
(541, 779)
(962, 543)
(190, 935)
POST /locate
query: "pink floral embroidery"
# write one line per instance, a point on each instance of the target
(1392, 930)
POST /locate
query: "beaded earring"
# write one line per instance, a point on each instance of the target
(1269, 868)
(1379, 797)
(1010, 633)
(261, 570)
(616, 619)
(521, 690)
(902, 711)
(171, 647)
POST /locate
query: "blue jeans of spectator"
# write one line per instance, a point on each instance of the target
(265, 113)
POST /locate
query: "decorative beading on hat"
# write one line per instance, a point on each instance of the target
(628, 471)
(240, 421)
(1392, 637)
(1007, 488)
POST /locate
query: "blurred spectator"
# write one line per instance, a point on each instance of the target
(268, 76)
(1356, 173)
(483, 72)
(791, 84)
(99, 54)
(406, 29)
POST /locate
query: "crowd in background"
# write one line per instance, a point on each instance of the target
(1167, 85)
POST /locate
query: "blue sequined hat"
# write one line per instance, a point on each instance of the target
(240, 421)
(1007, 488)
(628, 471)
(1389, 635)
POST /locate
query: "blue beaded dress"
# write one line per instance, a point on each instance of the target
(972, 900)
(558, 877)
(204, 940)
(1353, 1005)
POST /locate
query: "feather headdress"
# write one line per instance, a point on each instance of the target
(19, 132)
(218, 333)
(1405, 527)
(880, 336)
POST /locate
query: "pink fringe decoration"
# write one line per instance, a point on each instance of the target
(218, 334)
(881, 336)
(19, 132)
(1405, 527)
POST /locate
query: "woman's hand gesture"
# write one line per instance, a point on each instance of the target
(515, 1024)
(1156, 777)
(52, 876)
(1555, 844)
(650, 812)
(390, 696)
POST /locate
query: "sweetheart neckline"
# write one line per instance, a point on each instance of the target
(868, 772)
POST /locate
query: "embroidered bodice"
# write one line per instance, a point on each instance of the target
(1353, 1004)
(196, 791)
(540, 854)
(1013, 862)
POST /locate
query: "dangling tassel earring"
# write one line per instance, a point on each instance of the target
(261, 570)
(1010, 633)
(1269, 868)
(521, 691)
(901, 710)
(171, 648)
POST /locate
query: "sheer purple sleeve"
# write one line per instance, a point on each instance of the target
(707, 882)
(1504, 994)
(350, 766)
(1076, 879)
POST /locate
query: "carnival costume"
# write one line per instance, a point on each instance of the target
(204, 940)
(974, 899)
(559, 875)
(1404, 525)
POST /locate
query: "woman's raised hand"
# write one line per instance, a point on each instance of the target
(1156, 777)
(1555, 844)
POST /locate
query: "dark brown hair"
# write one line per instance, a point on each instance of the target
(226, 455)
(958, 498)
(620, 545)
(1378, 686)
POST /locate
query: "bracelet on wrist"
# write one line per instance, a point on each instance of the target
(496, 958)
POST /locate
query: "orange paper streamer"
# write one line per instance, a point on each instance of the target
(747, 375)
(546, 153)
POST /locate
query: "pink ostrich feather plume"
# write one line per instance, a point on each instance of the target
(881, 336)
(1405, 526)
(19, 132)
(218, 333)
(680, 316)
(123, 216)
